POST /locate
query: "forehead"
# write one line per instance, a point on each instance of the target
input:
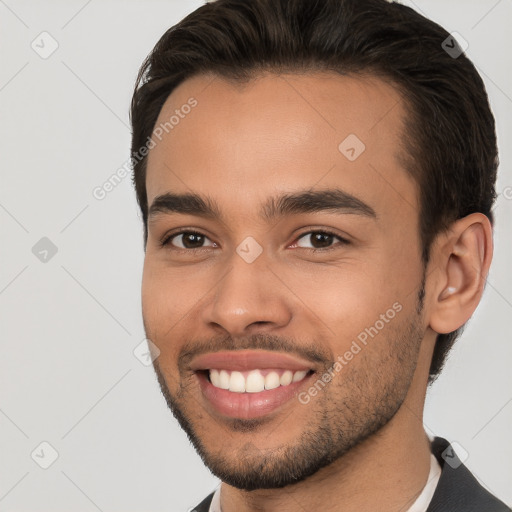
(240, 143)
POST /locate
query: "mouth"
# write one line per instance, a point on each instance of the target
(249, 384)
(244, 398)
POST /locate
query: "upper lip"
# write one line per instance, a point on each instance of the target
(243, 360)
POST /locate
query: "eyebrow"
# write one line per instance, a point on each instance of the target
(328, 200)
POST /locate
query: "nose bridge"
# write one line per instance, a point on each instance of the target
(247, 294)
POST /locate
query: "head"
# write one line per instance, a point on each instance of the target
(354, 160)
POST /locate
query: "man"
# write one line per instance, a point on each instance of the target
(316, 181)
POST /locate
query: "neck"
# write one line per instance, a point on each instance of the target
(386, 472)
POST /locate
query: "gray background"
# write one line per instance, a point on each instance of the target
(69, 325)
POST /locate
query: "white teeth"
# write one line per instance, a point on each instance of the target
(272, 380)
(254, 382)
(236, 382)
(224, 379)
(286, 378)
(299, 375)
(215, 378)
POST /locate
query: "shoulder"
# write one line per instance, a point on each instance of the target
(458, 490)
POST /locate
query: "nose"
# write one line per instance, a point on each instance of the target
(247, 298)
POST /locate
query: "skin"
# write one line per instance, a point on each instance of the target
(277, 135)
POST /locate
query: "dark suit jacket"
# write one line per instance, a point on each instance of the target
(457, 489)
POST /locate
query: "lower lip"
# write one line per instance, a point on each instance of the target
(248, 405)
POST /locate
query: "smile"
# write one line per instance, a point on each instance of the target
(254, 381)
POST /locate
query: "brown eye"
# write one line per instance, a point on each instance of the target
(188, 240)
(319, 240)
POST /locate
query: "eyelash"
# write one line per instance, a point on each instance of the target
(165, 242)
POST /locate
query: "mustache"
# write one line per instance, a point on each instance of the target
(309, 351)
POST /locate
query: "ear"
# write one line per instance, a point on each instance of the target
(462, 257)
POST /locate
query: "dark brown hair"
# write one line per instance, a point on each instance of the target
(449, 142)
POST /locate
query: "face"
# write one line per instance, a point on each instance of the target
(282, 269)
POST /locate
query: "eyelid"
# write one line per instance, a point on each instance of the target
(343, 240)
(165, 241)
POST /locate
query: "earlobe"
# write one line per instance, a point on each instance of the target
(463, 261)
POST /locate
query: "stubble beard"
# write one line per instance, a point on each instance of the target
(355, 405)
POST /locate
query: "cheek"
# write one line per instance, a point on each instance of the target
(346, 300)
(170, 298)
(158, 315)
(160, 304)
(166, 292)
(150, 296)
